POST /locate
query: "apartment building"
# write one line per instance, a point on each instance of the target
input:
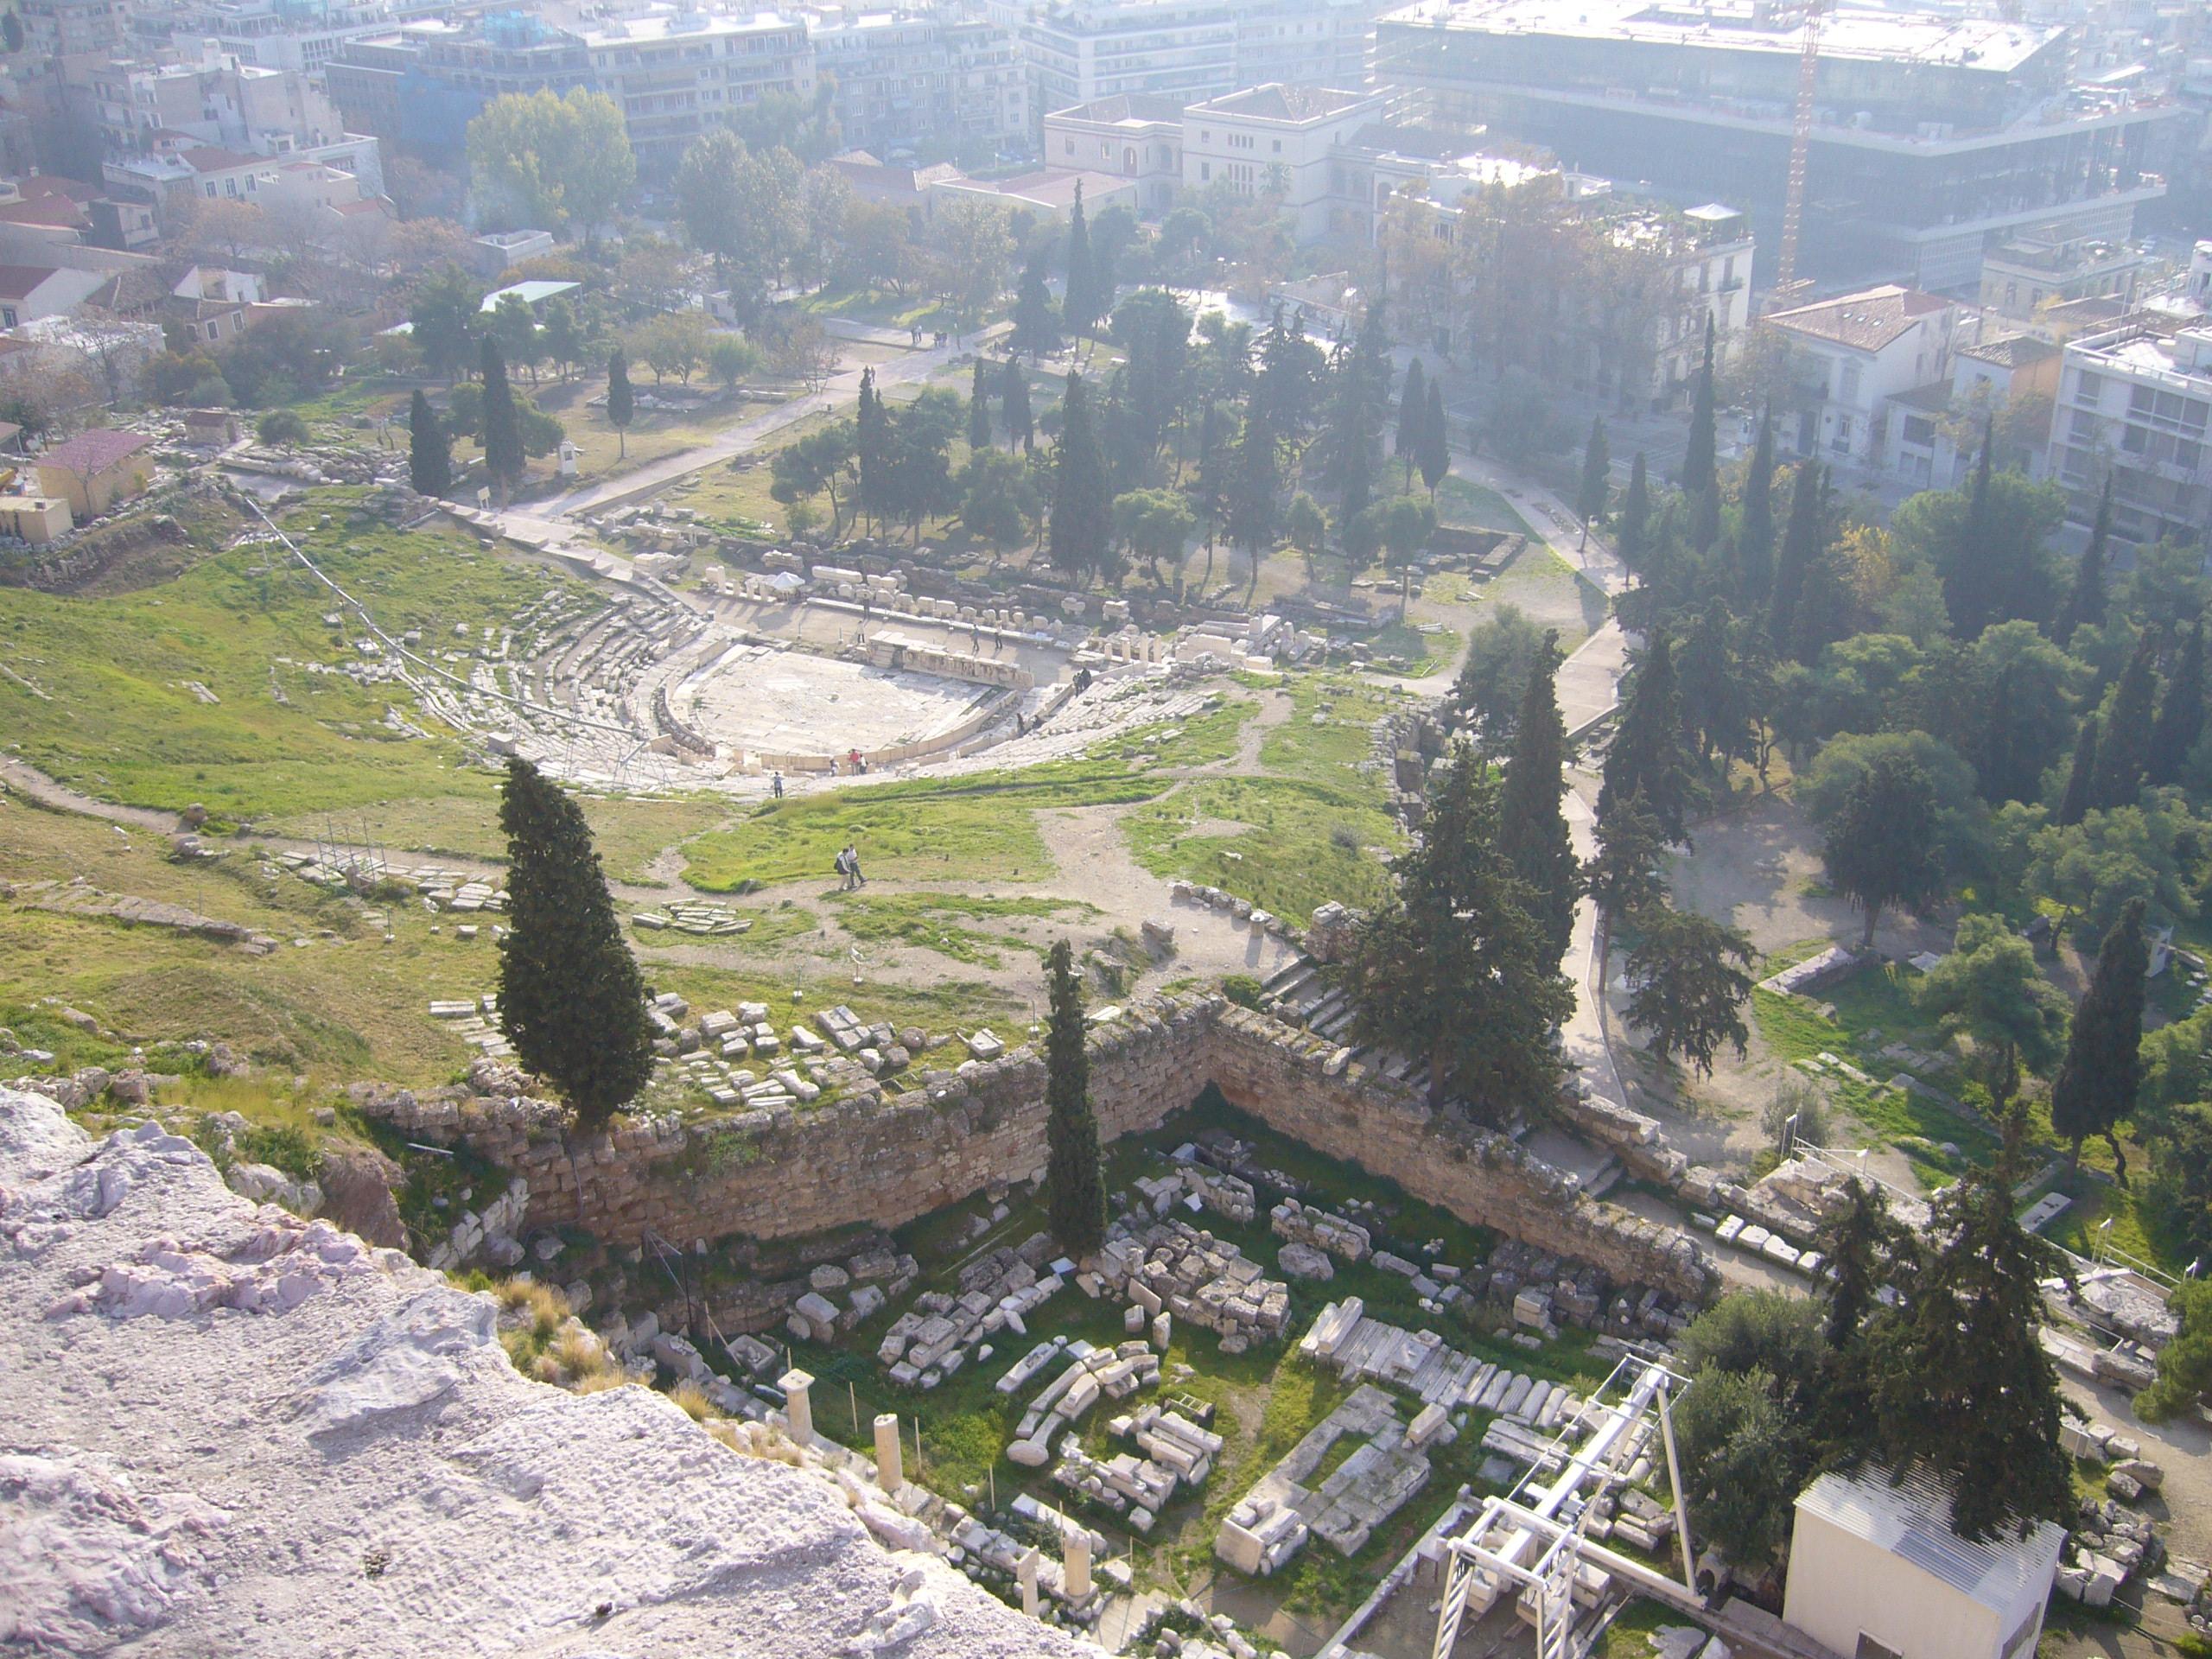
(420, 87)
(1081, 51)
(2135, 406)
(1932, 432)
(66, 29)
(214, 98)
(906, 77)
(2020, 275)
(677, 71)
(282, 34)
(1855, 354)
(1277, 140)
(1305, 43)
(1134, 136)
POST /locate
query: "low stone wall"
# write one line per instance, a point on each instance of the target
(889, 1160)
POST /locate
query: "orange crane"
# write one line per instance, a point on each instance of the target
(1787, 283)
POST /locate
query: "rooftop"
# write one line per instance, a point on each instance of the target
(1277, 102)
(20, 282)
(1910, 1519)
(531, 293)
(1867, 321)
(668, 23)
(1134, 109)
(207, 158)
(1860, 32)
(2011, 351)
(94, 451)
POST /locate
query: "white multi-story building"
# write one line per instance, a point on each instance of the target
(906, 78)
(2135, 406)
(278, 35)
(1085, 50)
(1136, 137)
(675, 72)
(1855, 354)
(1305, 42)
(1277, 140)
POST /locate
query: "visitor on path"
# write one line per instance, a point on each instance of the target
(776, 784)
(849, 865)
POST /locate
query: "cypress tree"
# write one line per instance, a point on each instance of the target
(1531, 827)
(1033, 331)
(1435, 439)
(1633, 527)
(503, 457)
(1413, 410)
(570, 998)
(2085, 600)
(1647, 758)
(2080, 780)
(2004, 756)
(1824, 604)
(1755, 538)
(2180, 711)
(1021, 425)
(1970, 586)
(429, 451)
(1081, 303)
(1075, 1191)
(621, 401)
(2097, 1081)
(872, 446)
(1701, 469)
(1597, 485)
(979, 409)
(1963, 1388)
(1801, 545)
(1083, 502)
(2124, 735)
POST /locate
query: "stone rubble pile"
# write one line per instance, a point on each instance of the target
(1271, 1523)
(1107, 1373)
(2110, 1545)
(1316, 1229)
(694, 916)
(1200, 1279)
(941, 1332)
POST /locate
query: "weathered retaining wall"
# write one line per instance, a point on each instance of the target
(887, 1160)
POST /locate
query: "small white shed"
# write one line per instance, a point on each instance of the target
(1876, 1573)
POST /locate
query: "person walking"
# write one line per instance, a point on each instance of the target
(776, 784)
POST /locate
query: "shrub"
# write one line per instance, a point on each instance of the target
(282, 426)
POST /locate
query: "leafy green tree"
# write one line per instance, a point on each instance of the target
(1503, 649)
(1083, 502)
(1880, 846)
(2081, 777)
(429, 451)
(621, 401)
(282, 427)
(824, 460)
(1450, 969)
(918, 482)
(2176, 1203)
(1690, 985)
(1648, 756)
(1251, 505)
(2181, 712)
(1760, 1330)
(1358, 400)
(2085, 603)
(1154, 525)
(731, 358)
(1020, 426)
(564, 162)
(1435, 441)
(1744, 1459)
(514, 324)
(1962, 1386)
(563, 335)
(1287, 395)
(979, 408)
(1407, 525)
(503, 446)
(1413, 409)
(1866, 1249)
(1532, 828)
(2123, 731)
(1597, 485)
(2094, 1090)
(1989, 991)
(1307, 530)
(1000, 502)
(1987, 543)
(2096, 867)
(1035, 330)
(442, 317)
(1075, 1189)
(1624, 875)
(571, 1001)
(2186, 1363)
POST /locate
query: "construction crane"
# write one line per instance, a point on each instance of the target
(1787, 283)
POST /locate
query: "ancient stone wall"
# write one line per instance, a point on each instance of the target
(889, 1160)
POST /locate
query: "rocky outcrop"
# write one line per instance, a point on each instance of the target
(886, 1159)
(229, 1430)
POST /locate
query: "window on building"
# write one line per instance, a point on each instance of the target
(2088, 388)
(1206, 172)
(1870, 1649)
(1842, 439)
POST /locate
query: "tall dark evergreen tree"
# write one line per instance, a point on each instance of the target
(1033, 328)
(979, 409)
(1632, 530)
(429, 451)
(1596, 488)
(2085, 603)
(1359, 403)
(571, 999)
(2124, 733)
(1802, 542)
(1021, 424)
(1691, 985)
(1413, 411)
(1435, 440)
(1075, 1189)
(1079, 535)
(1823, 611)
(2006, 750)
(1081, 303)
(502, 456)
(1973, 573)
(1648, 757)
(2080, 795)
(1532, 829)
(1452, 970)
(621, 401)
(1700, 470)
(1755, 535)
(872, 451)
(1963, 1388)
(2180, 711)
(2095, 1087)
(1624, 877)
(1880, 847)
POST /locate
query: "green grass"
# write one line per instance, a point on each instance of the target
(1628, 1635)
(1459, 501)
(1303, 843)
(123, 724)
(938, 922)
(979, 828)
(630, 832)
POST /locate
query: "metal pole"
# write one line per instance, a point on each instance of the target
(852, 1400)
(1674, 1481)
